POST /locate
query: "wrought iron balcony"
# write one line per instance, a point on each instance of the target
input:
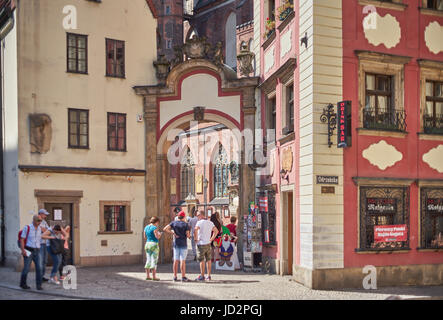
(384, 119)
(433, 124)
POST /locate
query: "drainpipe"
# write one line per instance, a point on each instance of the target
(9, 25)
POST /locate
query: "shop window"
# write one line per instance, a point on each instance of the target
(221, 174)
(116, 132)
(77, 51)
(433, 113)
(115, 58)
(381, 91)
(115, 217)
(431, 212)
(187, 176)
(384, 218)
(78, 129)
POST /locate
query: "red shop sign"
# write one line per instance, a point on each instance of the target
(391, 233)
(263, 204)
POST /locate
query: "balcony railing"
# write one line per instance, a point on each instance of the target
(433, 125)
(384, 119)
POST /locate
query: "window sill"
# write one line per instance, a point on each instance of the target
(381, 133)
(383, 4)
(114, 232)
(78, 72)
(287, 138)
(123, 151)
(79, 148)
(382, 251)
(269, 40)
(431, 12)
(430, 249)
(115, 77)
(286, 21)
(430, 136)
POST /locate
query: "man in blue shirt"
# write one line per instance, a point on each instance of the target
(31, 251)
(180, 230)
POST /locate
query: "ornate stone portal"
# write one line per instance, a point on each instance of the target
(165, 111)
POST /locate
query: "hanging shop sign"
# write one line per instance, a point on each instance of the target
(344, 124)
(327, 180)
(381, 205)
(434, 205)
(392, 233)
(263, 204)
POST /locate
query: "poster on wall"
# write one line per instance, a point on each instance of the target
(58, 215)
(390, 233)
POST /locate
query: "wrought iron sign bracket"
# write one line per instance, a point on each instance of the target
(330, 117)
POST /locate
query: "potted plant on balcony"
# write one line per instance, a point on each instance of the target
(270, 28)
(285, 10)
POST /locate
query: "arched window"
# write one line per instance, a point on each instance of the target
(187, 175)
(221, 174)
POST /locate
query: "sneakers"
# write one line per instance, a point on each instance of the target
(40, 288)
(208, 278)
(45, 280)
(25, 287)
(184, 279)
(53, 281)
(175, 279)
(200, 278)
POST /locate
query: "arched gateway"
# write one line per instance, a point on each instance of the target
(199, 90)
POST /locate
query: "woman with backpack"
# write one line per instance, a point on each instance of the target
(55, 249)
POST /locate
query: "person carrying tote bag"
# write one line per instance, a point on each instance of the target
(55, 249)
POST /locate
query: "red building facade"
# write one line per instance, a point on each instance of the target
(377, 201)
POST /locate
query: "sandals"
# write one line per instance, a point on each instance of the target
(148, 278)
(156, 279)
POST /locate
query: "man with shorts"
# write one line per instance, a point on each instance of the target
(180, 230)
(202, 236)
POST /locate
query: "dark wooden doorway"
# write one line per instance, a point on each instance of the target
(290, 232)
(61, 213)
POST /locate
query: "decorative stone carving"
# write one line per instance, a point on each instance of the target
(196, 48)
(245, 59)
(218, 57)
(287, 160)
(234, 169)
(178, 56)
(375, 27)
(382, 155)
(40, 133)
(162, 66)
(433, 37)
(234, 201)
(434, 158)
(199, 113)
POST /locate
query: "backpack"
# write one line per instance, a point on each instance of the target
(20, 235)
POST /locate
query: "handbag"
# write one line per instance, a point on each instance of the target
(56, 245)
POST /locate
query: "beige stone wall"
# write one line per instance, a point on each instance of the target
(95, 189)
(46, 87)
(321, 216)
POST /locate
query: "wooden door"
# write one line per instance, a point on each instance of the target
(290, 233)
(61, 213)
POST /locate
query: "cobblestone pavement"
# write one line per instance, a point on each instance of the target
(128, 282)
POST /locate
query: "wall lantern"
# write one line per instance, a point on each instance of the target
(330, 117)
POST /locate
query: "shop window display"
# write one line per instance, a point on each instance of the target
(431, 212)
(384, 218)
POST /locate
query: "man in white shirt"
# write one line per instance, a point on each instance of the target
(204, 233)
